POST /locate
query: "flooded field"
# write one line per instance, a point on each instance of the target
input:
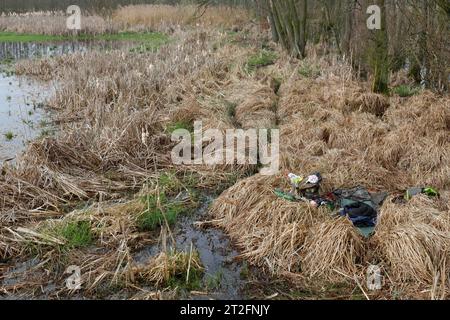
(23, 50)
(225, 276)
(22, 117)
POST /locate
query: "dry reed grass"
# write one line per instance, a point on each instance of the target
(134, 18)
(165, 17)
(160, 269)
(113, 140)
(54, 23)
(270, 231)
(413, 238)
(330, 124)
(332, 248)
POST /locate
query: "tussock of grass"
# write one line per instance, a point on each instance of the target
(159, 210)
(151, 40)
(171, 127)
(414, 240)
(262, 59)
(9, 135)
(231, 110)
(175, 269)
(78, 234)
(406, 91)
(308, 70)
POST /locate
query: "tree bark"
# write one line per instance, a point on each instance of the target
(381, 55)
(290, 23)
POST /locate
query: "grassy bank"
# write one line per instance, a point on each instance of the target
(155, 38)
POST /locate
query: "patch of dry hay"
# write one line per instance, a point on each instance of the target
(375, 104)
(352, 138)
(165, 266)
(269, 230)
(166, 17)
(371, 150)
(332, 248)
(258, 109)
(414, 240)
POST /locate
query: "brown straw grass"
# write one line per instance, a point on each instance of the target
(332, 248)
(414, 240)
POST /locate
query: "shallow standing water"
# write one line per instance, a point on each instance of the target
(22, 117)
(216, 253)
(25, 50)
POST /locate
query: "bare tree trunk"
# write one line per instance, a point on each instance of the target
(290, 23)
(398, 52)
(380, 55)
(348, 27)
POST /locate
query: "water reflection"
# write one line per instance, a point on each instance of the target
(21, 50)
(22, 117)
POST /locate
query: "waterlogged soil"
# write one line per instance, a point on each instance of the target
(22, 114)
(22, 119)
(28, 50)
(224, 275)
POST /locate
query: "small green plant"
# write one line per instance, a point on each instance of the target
(78, 234)
(405, 90)
(46, 133)
(308, 71)
(180, 280)
(8, 98)
(158, 212)
(277, 84)
(244, 271)
(231, 109)
(9, 135)
(214, 281)
(262, 59)
(180, 125)
(143, 48)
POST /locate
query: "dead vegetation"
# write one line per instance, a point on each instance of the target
(132, 18)
(54, 23)
(166, 17)
(353, 138)
(115, 111)
(113, 141)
